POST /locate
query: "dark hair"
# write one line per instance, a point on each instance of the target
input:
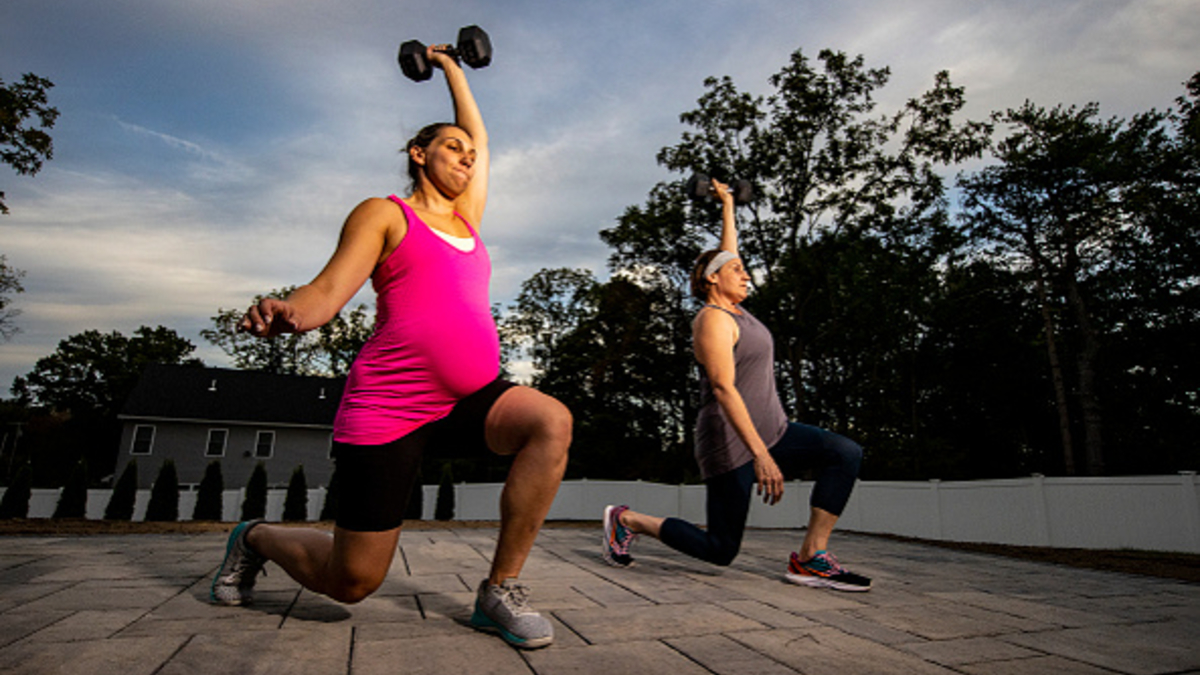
(700, 283)
(422, 140)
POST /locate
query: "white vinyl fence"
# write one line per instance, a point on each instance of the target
(1160, 513)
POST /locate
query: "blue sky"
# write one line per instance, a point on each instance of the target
(209, 150)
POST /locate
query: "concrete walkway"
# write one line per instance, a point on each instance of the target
(137, 604)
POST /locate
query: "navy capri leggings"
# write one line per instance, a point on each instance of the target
(835, 459)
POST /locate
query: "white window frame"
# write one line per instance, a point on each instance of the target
(209, 445)
(133, 443)
(258, 443)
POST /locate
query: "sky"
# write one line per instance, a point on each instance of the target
(208, 151)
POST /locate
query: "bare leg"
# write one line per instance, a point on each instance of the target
(537, 428)
(820, 526)
(347, 566)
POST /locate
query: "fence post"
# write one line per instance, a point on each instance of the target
(1191, 509)
(1040, 530)
(935, 485)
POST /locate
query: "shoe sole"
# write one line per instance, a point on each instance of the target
(607, 553)
(481, 622)
(822, 582)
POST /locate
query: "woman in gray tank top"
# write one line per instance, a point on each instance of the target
(743, 437)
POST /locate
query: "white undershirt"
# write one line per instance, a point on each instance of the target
(464, 244)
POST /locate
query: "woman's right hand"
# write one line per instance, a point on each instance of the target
(769, 479)
(270, 317)
(436, 54)
(721, 190)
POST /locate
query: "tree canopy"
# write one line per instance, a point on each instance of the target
(953, 340)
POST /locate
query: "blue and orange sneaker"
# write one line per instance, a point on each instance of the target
(824, 571)
(617, 537)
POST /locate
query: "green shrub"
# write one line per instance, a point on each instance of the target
(15, 503)
(295, 504)
(255, 503)
(72, 501)
(124, 494)
(164, 496)
(443, 509)
(209, 502)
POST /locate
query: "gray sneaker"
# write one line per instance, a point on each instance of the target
(505, 609)
(234, 582)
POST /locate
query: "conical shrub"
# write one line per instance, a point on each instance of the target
(15, 503)
(72, 501)
(295, 504)
(124, 494)
(255, 503)
(164, 495)
(209, 502)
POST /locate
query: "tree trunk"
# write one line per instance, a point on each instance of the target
(1056, 376)
(1093, 439)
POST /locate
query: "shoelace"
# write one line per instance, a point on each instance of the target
(822, 562)
(515, 597)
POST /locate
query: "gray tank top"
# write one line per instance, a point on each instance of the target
(719, 449)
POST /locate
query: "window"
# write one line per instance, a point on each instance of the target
(216, 442)
(264, 446)
(143, 439)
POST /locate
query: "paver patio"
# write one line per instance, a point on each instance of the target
(138, 604)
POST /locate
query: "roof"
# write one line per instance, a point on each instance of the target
(218, 394)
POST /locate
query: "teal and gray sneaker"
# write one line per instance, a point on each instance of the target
(234, 582)
(505, 610)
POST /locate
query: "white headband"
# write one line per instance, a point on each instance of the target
(718, 262)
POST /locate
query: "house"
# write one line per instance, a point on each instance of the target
(194, 415)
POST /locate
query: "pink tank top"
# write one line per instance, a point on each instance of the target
(435, 340)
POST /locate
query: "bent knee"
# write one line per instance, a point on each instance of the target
(353, 590)
(558, 423)
(724, 555)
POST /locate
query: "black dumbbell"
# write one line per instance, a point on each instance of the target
(699, 186)
(474, 49)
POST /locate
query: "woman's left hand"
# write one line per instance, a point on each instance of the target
(769, 478)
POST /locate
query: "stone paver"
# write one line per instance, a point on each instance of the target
(138, 604)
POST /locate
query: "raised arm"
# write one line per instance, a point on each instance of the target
(728, 219)
(359, 249)
(467, 116)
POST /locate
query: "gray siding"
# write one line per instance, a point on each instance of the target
(186, 442)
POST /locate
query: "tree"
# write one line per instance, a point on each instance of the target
(10, 284)
(329, 350)
(295, 503)
(210, 500)
(164, 495)
(72, 501)
(124, 495)
(25, 115)
(254, 505)
(848, 234)
(94, 372)
(1097, 215)
(88, 378)
(619, 351)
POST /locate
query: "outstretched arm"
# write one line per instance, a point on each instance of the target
(314, 304)
(467, 116)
